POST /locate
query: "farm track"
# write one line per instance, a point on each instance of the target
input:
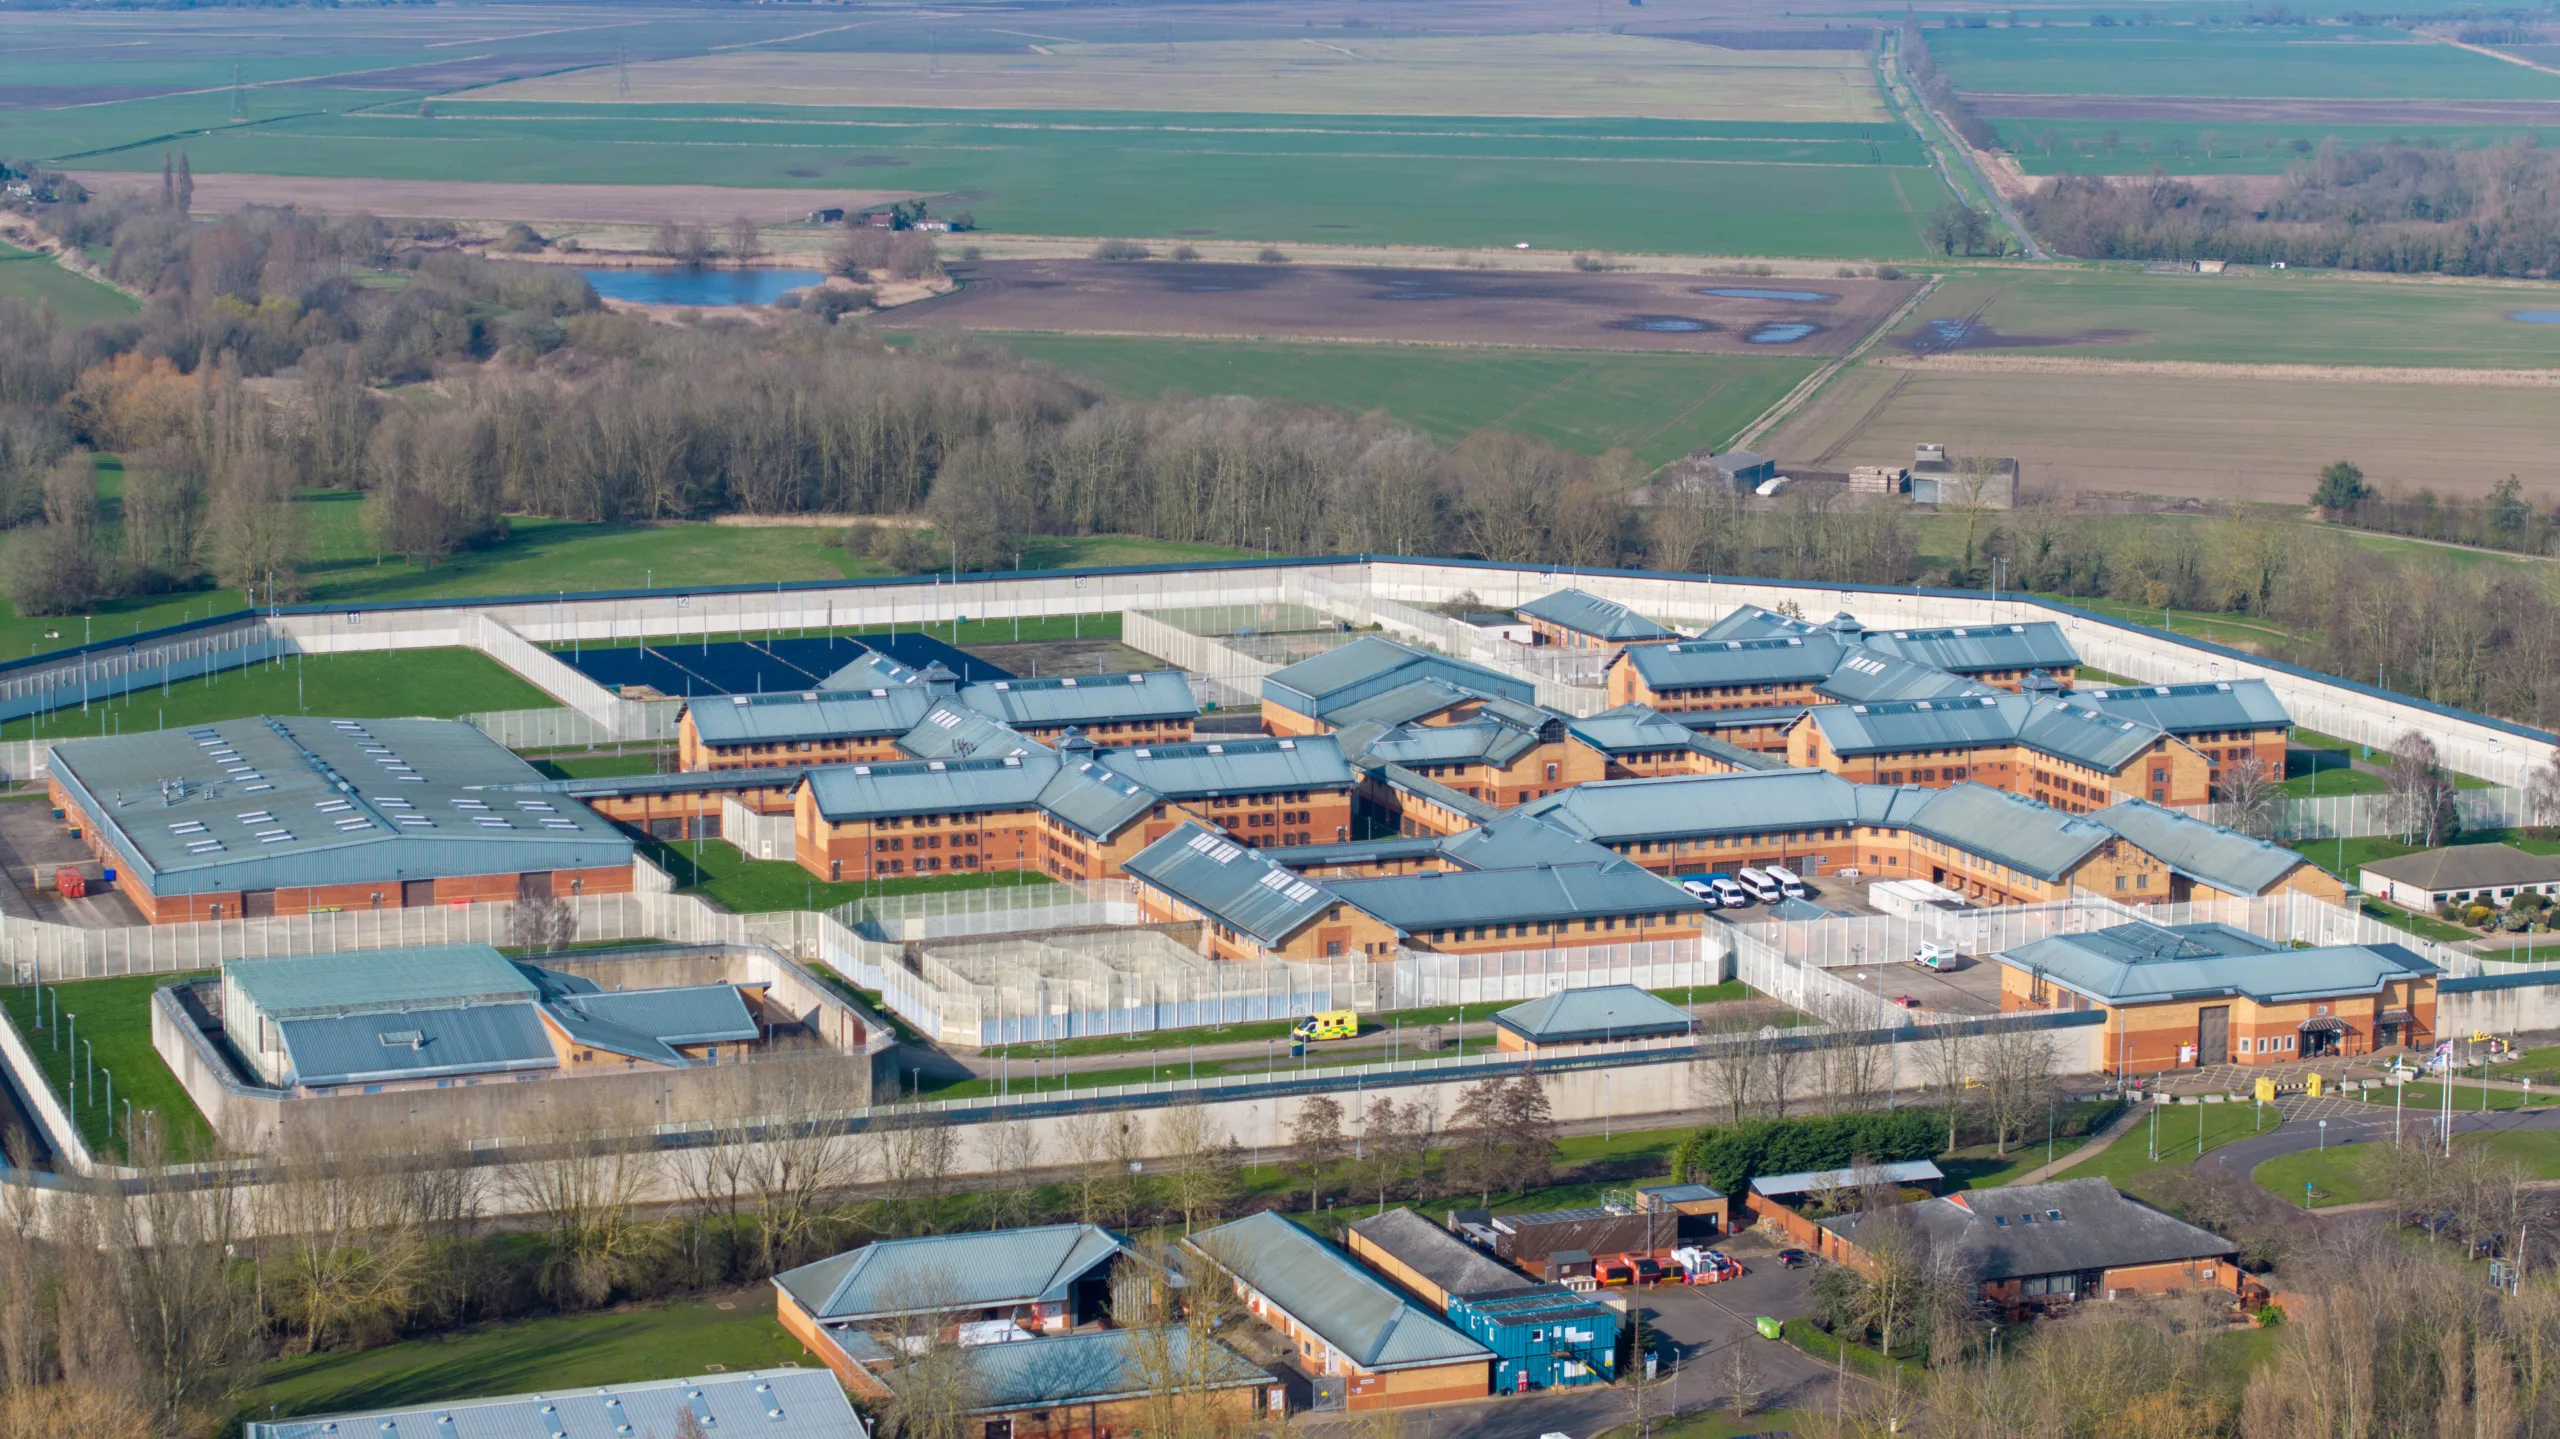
(2207, 370)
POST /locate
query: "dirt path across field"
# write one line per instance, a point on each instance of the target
(2202, 370)
(2272, 112)
(475, 200)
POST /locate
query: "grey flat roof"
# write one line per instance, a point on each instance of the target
(1332, 1295)
(377, 1046)
(2143, 963)
(988, 1269)
(1442, 899)
(771, 1403)
(267, 803)
(1807, 1181)
(1098, 1366)
(297, 986)
(1453, 1265)
(1605, 1011)
(2066, 1226)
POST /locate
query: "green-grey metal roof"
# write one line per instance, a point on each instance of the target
(1977, 649)
(1249, 765)
(1332, 1296)
(1674, 806)
(1635, 728)
(871, 670)
(1620, 1011)
(2057, 727)
(768, 1403)
(2468, 866)
(2024, 834)
(1085, 699)
(807, 715)
(2229, 861)
(2206, 707)
(268, 803)
(1908, 1171)
(301, 985)
(1401, 705)
(1304, 857)
(2142, 963)
(1694, 664)
(1241, 887)
(1751, 622)
(2065, 1226)
(1448, 797)
(1870, 676)
(868, 791)
(682, 1014)
(1098, 1367)
(1467, 742)
(1452, 1265)
(952, 730)
(1588, 614)
(1444, 899)
(1096, 800)
(426, 1043)
(987, 1269)
(1514, 840)
(1371, 666)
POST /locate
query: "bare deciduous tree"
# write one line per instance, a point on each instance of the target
(1316, 1143)
(2253, 800)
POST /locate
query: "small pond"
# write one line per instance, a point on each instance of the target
(702, 289)
(1780, 332)
(1801, 297)
(2536, 317)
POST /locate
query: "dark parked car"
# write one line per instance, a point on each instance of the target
(1793, 1259)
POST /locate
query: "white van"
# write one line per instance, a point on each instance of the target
(1732, 895)
(1762, 887)
(1789, 883)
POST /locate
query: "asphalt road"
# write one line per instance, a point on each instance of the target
(2295, 1135)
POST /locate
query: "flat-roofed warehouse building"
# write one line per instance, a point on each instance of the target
(1376, 1348)
(249, 818)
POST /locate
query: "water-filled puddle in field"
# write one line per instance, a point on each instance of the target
(1667, 325)
(1951, 333)
(2537, 317)
(700, 289)
(1780, 332)
(1801, 297)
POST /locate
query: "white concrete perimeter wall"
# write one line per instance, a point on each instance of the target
(758, 836)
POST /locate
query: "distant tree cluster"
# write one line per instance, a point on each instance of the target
(1939, 94)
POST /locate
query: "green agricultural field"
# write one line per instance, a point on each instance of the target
(111, 1021)
(1672, 193)
(2249, 317)
(76, 299)
(2197, 147)
(1660, 406)
(2276, 62)
(436, 683)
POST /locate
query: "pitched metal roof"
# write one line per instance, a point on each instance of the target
(952, 730)
(2057, 727)
(267, 803)
(1514, 840)
(769, 1403)
(1467, 742)
(685, 1014)
(1634, 728)
(1869, 676)
(1452, 1265)
(1588, 614)
(987, 1269)
(1333, 1296)
(1085, 699)
(380, 1045)
(1603, 1011)
(2066, 1226)
(1099, 1366)
(1913, 1171)
(2469, 866)
(1402, 705)
(1359, 851)
(1441, 899)
(1245, 889)
(2143, 963)
(2011, 829)
(1622, 810)
(1448, 797)
(1246, 765)
(2192, 708)
(865, 791)
(301, 985)
(1099, 801)
(1371, 666)
(808, 715)
(1958, 649)
(872, 670)
(1694, 664)
(2229, 861)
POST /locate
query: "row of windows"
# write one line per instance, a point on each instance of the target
(1526, 929)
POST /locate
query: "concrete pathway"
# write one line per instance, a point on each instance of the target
(2122, 1125)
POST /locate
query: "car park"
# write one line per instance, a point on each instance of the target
(1729, 891)
(1761, 886)
(1702, 886)
(1936, 957)
(1788, 881)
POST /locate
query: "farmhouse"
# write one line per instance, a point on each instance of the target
(251, 818)
(1386, 1352)
(1576, 619)
(2492, 874)
(2033, 1248)
(2176, 996)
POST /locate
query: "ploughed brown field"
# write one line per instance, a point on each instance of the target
(1565, 310)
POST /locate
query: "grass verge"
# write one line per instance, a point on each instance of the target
(718, 871)
(437, 684)
(111, 1021)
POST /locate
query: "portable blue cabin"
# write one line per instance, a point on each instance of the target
(1542, 1338)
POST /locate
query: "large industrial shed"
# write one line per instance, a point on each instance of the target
(256, 817)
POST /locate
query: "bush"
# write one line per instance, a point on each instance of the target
(1730, 1156)
(1888, 272)
(830, 301)
(1271, 255)
(1185, 253)
(519, 239)
(1589, 263)
(1120, 250)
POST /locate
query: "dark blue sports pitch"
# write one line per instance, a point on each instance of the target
(736, 667)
